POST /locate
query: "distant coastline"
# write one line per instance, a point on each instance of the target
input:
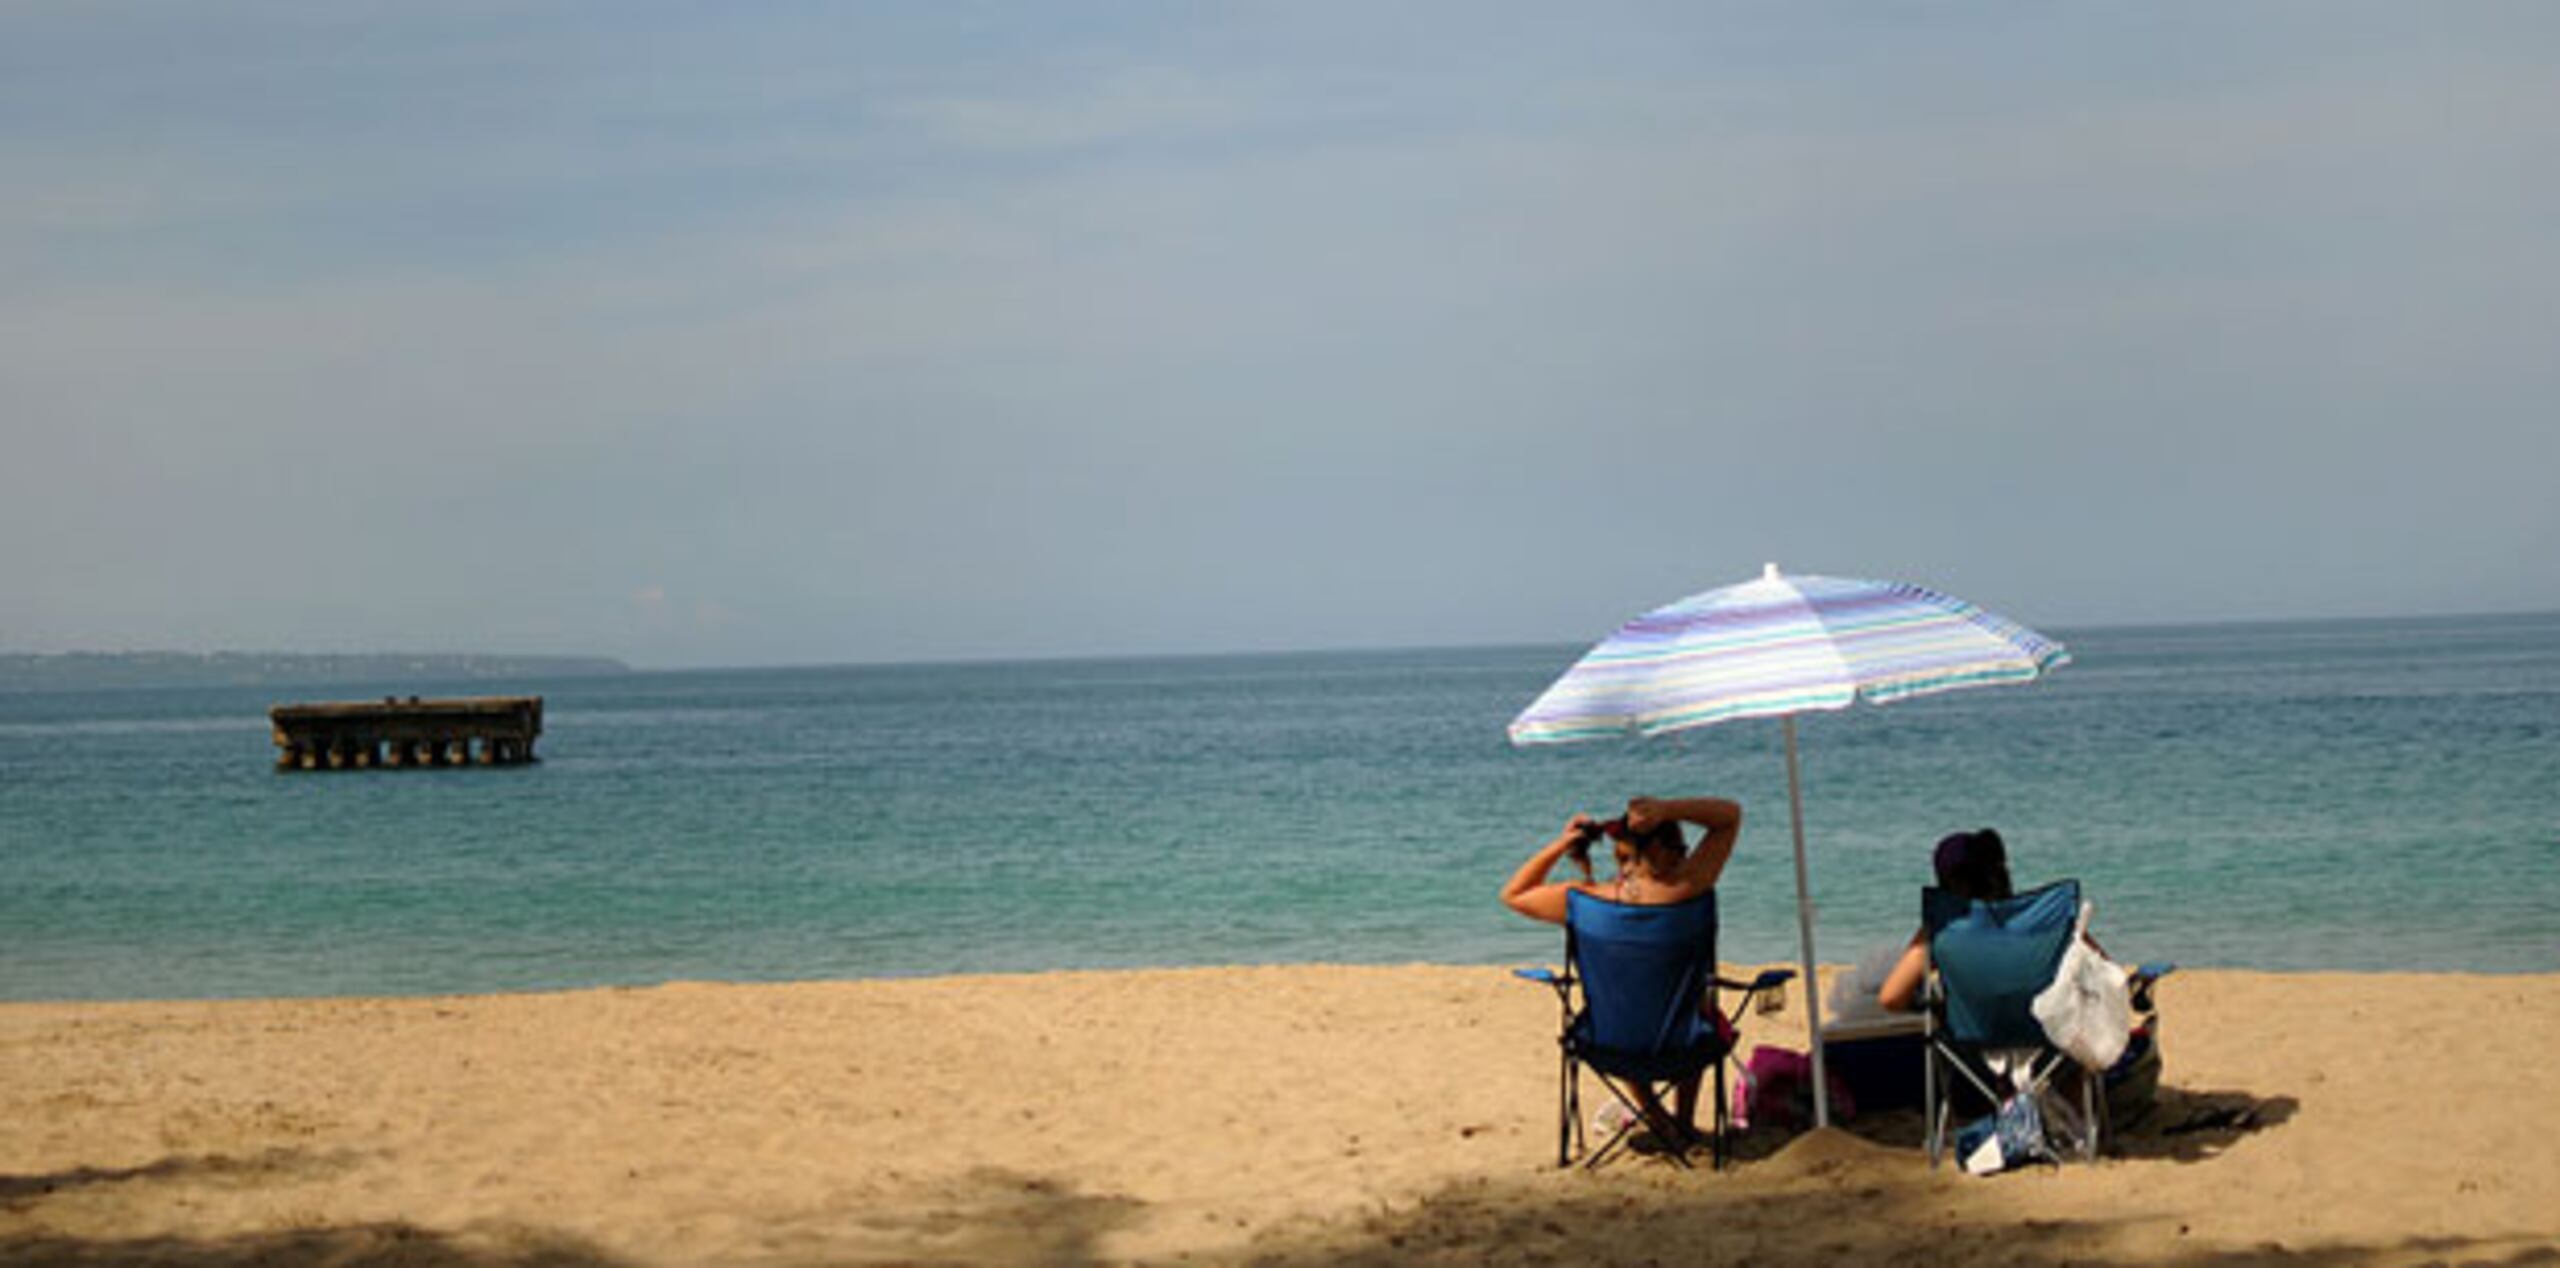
(83, 671)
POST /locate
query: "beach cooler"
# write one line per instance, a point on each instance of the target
(1880, 1059)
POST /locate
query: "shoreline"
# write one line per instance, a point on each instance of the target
(1263, 1113)
(1828, 969)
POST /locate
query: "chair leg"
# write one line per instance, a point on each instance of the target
(1931, 1124)
(1722, 1124)
(1568, 1111)
(2092, 1105)
(1636, 1120)
(1592, 1158)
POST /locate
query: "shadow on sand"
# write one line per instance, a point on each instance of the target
(1854, 1228)
(1854, 1197)
(990, 1216)
(368, 1245)
(2192, 1126)
(1829, 1197)
(17, 1192)
(2184, 1126)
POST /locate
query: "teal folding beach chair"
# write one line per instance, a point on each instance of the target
(1988, 960)
(1637, 999)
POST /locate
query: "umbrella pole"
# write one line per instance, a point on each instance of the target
(1804, 926)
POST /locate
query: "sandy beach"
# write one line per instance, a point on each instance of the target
(1284, 1115)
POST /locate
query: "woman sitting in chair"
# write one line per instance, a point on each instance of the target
(1655, 866)
(1655, 869)
(1971, 865)
(1975, 866)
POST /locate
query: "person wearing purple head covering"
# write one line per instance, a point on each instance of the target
(1969, 865)
(1973, 865)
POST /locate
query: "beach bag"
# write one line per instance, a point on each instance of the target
(2006, 1139)
(1775, 1089)
(2133, 1082)
(2088, 1010)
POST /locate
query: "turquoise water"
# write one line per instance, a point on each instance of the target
(2364, 795)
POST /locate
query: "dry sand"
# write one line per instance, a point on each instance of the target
(1264, 1114)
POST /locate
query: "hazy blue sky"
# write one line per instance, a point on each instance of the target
(719, 334)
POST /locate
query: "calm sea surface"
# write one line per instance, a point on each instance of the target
(2362, 795)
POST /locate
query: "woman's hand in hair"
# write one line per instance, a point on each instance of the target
(1528, 891)
(1583, 830)
(1643, 813)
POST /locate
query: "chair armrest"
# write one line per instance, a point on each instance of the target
(1559, 981)
(1768, 978)
(2142, 979)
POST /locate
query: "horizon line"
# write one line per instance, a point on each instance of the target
(628, 665)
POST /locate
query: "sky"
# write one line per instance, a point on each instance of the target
(707, 334)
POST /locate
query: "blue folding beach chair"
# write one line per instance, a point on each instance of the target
(1988, 961)
(1637, 998)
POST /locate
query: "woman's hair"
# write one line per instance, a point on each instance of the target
(1973, 865)
(1661, 836)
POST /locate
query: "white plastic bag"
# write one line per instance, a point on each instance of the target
(2088, 1011)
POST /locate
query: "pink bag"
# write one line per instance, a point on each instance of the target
(1776, 1090)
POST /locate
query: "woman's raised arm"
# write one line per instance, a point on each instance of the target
(1721, 818)
(1528, 892)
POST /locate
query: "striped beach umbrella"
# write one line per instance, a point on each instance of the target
(1778, 646)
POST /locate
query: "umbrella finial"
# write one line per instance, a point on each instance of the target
(1768, 572)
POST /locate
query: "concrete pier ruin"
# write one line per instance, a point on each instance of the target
(399, 734)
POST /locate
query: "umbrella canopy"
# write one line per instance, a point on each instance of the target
(1780, 645)
(1775, 647)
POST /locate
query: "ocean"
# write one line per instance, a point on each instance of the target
(2360, 795)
